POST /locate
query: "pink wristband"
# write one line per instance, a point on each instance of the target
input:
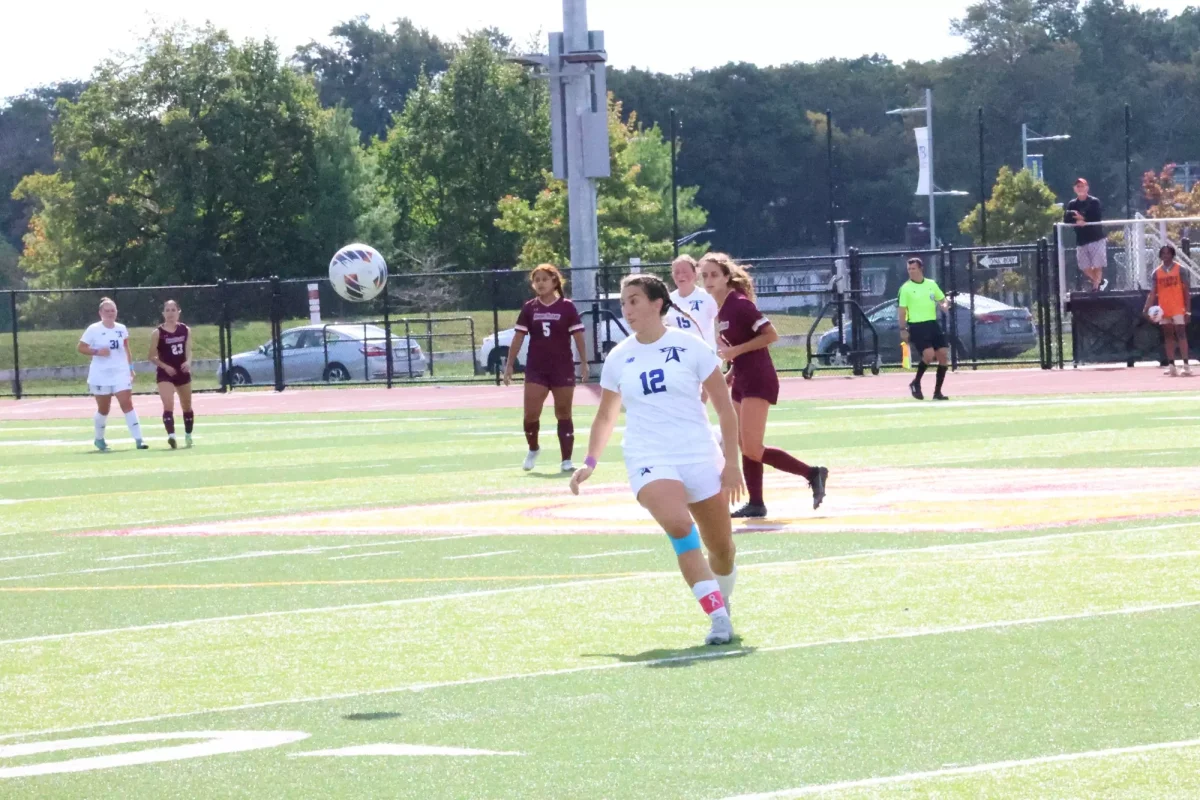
(589, 462)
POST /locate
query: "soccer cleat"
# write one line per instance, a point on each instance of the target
(1187, 371)
(187, 439)
(750, 511)
(1103, 285)
(101, 445)
(721, 631)
(142, 445)
(1171, 372)
(530, 460)
(915, 388)
(567, 466)
(939, 396)
(171, 442)
(820, 475)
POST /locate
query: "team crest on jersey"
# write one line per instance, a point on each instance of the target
(673, 353)
(695, 305)
(645, 471)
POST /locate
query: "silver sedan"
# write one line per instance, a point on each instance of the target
(329, 353)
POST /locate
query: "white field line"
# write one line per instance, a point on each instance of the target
(304, 551)
(30, 555)
(139, 555)
(707, 656)
(754, 552)
(975, 769)
(642, 575)
(366, 555)
(610, 553)
(1024, 402)
(487, 554)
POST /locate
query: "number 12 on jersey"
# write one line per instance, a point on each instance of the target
(653, 382)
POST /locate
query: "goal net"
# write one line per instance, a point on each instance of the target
(1132, 247)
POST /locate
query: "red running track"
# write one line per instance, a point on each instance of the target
(984, 383)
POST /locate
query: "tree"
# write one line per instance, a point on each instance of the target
(201, 160)
(633, 204)
(372, 70)
(26, 146)
(477, 133)
(1021, 210)
(1011, 29)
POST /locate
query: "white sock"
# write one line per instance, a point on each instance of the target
(709, 595)
(726, 582)
(135, 427)
(100, 421)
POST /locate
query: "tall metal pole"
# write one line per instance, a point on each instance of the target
(581, 190)
(1128, 174)
(833, 239)
(674, 187)
(982, 188)
(1024, 146)
(932, 190)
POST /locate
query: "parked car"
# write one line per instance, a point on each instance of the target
(611, 329)
(330, 353)
(1001, 331)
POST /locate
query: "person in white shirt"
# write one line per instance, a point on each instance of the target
(699, 306)
(111, 372)
(676, 468)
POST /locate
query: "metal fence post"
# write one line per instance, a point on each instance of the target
(1057, 310)
(387, 334)
(16, 381)
(495, 323)
(277, 330)
(947, 259)
(222, 332)
(971, 298)
(1041, 297)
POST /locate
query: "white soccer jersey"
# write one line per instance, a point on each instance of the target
(659, 383)
(702, 308)
(114, 369)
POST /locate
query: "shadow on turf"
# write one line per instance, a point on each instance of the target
(549, 475)
(372, 716)
(686, 657)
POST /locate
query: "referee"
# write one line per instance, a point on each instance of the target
(920, 298)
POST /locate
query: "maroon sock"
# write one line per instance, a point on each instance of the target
(531, 433)
(566, 438)
(169, 422)
(189, 421)
(752, 471)
(774, 457)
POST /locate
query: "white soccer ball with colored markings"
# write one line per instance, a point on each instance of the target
(1155, 314)
(358, 273)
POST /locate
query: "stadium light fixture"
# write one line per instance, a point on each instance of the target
(1029, 135)
(691, 237)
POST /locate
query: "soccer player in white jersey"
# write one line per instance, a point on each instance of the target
(699, 307)
(111, 372)
(676, 468)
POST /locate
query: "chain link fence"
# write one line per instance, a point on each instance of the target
(832, 312)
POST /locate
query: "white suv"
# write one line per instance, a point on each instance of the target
(605, 314)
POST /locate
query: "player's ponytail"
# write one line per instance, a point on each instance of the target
(656, 289)
(739, 277)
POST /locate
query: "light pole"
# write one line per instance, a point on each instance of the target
(934, 193)
(1026, 138)
(691, 237)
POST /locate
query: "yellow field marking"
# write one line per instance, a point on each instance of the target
(358, 582)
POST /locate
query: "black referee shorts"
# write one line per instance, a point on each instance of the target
(926, 335)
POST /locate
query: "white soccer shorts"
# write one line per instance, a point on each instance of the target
(106, 389)
(700, 481)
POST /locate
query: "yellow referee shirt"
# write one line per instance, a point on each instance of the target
(920, 300)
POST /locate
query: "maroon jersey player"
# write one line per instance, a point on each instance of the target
(171, 353)
(743, 336)
(550, 321)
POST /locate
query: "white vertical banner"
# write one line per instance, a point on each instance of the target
(314, 304)
(923, 159)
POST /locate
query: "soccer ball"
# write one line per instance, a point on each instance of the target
(1155, 314)
(358, 273)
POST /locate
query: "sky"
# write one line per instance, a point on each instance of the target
(44, 44)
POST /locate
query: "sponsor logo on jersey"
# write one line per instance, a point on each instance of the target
(631, 359)
(645, 471)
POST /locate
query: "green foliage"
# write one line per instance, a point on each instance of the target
(633, 204)
(202, 159)
(372, 70)
(1021, 210)
(467, 138)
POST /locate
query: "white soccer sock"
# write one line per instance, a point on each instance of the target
(100, 421)
(709, 595)
(726, 582)
(135, 427)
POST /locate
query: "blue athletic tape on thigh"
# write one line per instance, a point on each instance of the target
(687, 543)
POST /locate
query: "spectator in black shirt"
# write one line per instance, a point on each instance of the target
(1091, 245)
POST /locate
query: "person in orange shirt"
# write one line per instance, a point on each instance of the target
(1170, 290)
